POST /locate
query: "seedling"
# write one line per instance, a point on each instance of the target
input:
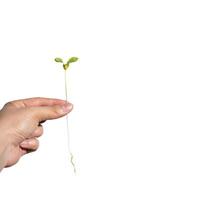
(66, 66)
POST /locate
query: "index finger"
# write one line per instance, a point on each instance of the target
(38, 101)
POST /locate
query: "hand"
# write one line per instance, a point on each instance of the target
(20, 125)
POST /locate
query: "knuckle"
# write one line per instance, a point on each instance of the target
(34, 114)
(39, 131)
(9, 104)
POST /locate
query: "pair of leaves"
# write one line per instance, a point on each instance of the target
(66, 65)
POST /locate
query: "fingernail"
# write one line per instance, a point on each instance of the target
(66, 108)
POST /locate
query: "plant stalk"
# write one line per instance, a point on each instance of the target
(67, 127)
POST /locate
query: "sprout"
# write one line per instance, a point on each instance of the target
(66, 66)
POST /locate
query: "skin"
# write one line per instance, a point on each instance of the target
(20, 126)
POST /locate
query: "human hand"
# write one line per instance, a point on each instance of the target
(20, 125)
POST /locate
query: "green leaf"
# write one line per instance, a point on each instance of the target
(59, 60)
(71, 60)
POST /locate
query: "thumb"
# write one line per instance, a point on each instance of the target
(51, 112)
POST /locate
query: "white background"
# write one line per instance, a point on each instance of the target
(136, 94)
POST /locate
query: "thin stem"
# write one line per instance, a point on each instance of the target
(67, 126)
(67, 123)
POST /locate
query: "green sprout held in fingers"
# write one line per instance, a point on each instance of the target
(66, 66)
